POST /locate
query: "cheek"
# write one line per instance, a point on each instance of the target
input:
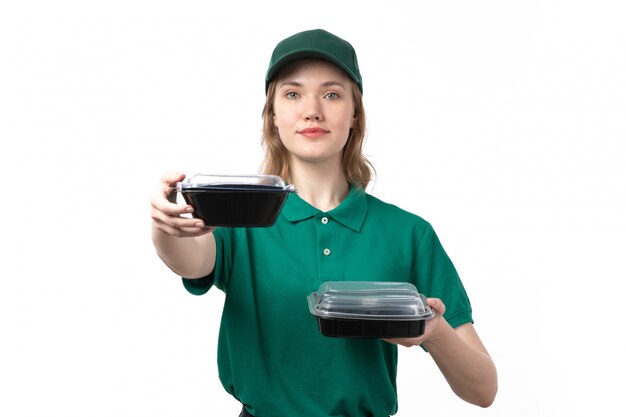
(277, 124)
(280, 128)
(354, 117)
(278, 118)
(283, 121)
(350, 121)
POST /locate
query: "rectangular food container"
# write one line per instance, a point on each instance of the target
(369, 309)
(235, 200)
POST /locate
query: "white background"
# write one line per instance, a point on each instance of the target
(502, 123)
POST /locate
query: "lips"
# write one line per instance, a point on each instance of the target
(312, 132)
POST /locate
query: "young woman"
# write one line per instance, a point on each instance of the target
(271, 356)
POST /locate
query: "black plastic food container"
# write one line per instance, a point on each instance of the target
(365, 309)
(235, 200)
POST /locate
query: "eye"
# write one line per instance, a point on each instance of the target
(292, 95)
(332, 96)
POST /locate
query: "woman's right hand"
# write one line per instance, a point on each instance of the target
(167, 214)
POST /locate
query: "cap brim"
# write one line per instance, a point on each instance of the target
(304, 54)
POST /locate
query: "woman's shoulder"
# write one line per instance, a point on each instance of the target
(388, 212)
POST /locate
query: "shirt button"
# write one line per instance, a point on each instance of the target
(326, 251)
(324, 220)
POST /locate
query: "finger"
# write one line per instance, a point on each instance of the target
(402, 341)
(161, 202)
(182, 231)
(164, 196)
(173, 218)
(437, 305)
(168, 184)
(172, 177)
(168, 191)
(206, 230)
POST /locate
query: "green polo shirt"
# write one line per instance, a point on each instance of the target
(271, 356)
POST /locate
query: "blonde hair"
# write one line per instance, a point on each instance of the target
(357, 169)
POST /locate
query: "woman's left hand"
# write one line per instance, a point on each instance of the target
(431, 326)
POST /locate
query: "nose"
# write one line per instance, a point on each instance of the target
(313, 110)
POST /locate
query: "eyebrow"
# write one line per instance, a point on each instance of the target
(325, 84)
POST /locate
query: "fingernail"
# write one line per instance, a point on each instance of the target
(199, 224)
(189, 209)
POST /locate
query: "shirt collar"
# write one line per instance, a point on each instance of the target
(350, 213)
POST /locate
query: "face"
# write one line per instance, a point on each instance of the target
(313, 110)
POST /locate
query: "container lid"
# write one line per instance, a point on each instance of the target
(235, 181)
(370, 300)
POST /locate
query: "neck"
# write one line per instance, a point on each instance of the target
(323, 186)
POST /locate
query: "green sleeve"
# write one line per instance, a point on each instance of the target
(221, 272)
(437, 277)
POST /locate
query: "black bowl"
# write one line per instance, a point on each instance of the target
(358, 328)
(233, 205)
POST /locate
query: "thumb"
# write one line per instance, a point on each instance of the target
(437, 305)
(172, 177)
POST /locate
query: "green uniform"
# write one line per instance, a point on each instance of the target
(271, 356)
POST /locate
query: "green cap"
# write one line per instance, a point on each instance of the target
(314, 44)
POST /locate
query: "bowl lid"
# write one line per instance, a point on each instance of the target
(238, 181)
(373, 300)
